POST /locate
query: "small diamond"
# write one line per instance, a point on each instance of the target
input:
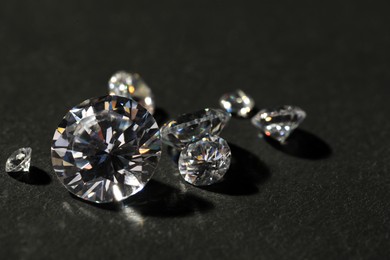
(279, 123)
(131, 85)
(237, 102)
(206, 161)
(106, 149)
(19, 161)
(191, 127)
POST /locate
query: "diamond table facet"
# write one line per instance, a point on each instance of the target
(191, 127)
(238, 103)
(131, 85)
(106, 149)
(279, 123)
(19, 161)
(206, 161)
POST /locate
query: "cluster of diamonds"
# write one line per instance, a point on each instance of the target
(106, 149)
(277, 123)
(204, 157)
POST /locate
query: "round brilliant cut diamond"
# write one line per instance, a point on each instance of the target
(131, 85)
(237, 103)
(191, 127)
(206, 161)
(19, 161)
(106, 149)
(279, 123)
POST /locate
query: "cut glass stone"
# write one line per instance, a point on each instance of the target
(191, 127)
(131, 85)
(19, 161)
(106, 149)
(279, 123)
(206, 161)
(238, 103)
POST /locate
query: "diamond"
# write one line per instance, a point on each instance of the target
(131, 85)
(106, 149)
(238, 103)
(19, 161)
(206, 161)
(191, 127)
(279, 123)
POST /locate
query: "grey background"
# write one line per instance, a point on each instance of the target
(325, 196)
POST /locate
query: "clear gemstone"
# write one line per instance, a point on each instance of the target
(191, 127)
(237, 102)
(279, 123)
(131, 85)
(106, 149)
(206, 161)
(19, 161)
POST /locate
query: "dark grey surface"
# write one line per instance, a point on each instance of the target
(325, 196)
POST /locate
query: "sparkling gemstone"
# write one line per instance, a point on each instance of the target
(191, 127)
(131, 85)
(238, 103)
(106, 149)
(279, 123)
(206, 161)
(19, 161)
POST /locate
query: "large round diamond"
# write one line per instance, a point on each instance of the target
(106, 149)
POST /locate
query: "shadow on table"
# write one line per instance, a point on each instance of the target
(303, 144)
(159, 200)
(35, 176)
(246, 172)
(161, 116)
(174, 154)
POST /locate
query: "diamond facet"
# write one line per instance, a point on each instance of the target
(206, 161)
(237, 102)
(19, 161)
(131, 85)
(279, 123)
(106, 149)
(191, 127)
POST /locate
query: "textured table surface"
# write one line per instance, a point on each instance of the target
(324, 196)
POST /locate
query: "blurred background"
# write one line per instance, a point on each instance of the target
(330, 58)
